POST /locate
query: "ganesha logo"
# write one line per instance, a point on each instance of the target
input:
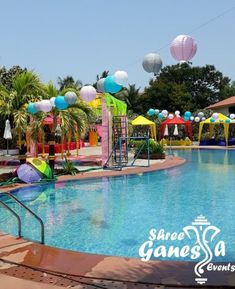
(203, 246)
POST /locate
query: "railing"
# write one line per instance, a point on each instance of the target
(118, 145)
(28, 210)
(14, 214)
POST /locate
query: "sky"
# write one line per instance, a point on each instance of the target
(82, 38)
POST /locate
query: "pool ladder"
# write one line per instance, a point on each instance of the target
(18, 217)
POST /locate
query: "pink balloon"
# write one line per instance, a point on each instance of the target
(183, 48)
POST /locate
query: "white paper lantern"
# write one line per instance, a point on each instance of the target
(170, 116)
(52, 100)
(215, 115)
(70, 97)
(165, 113)
(45, 105)
(100, 85)
(191, 118)
(157, 111)
(177, 112)
(88, 93)
(232, 116)
(120, 77)
(197, 119)
(200, 114)
(37, 105)
(203, 118)
(152, 63)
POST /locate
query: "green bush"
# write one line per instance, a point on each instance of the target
(154, 147)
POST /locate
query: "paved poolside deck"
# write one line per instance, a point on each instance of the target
(31, 265)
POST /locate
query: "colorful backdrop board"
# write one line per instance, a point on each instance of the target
(140, 120)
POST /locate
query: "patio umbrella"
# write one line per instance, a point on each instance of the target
(166, 132)
(7, 132)
(175, 133)
(28, 174)
(41, 166)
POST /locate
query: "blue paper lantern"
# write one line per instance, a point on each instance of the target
(160, 115)
(110, 85)
(31, 108)
(187, 114)
(227, 120)
(60, 102)
(186, 118)
(151, 112)
(212, 119)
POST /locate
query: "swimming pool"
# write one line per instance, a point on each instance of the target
(113, 216)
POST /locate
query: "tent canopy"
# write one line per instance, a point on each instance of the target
(140, 120)
(179, 121)
(220, 120)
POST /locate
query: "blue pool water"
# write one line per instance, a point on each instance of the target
(113, 215)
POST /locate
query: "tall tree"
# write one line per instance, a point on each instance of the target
(8, 75)
(183, 87)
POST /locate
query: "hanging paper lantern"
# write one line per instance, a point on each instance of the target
(120, 77)
(170, 116)
(157, 111)
(191, 118)
(232, 116)
(215, 115)
(177, 112)
(60, 102)
(45, 105)
(31, 108)
(227, 121)
(212, 119)
(110, 85)
(200, 114)
(151, 112)
(100, 85)
(165, 113)
(186, 118)
(37, 105)
(152, 63)
(203, 118)
(70, 97)
(183, 48)
(52, 100)
(88, 93)
(160, 115)
(197, 119)
(187, 114)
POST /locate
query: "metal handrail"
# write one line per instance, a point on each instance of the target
(16, 215)
(31, 212)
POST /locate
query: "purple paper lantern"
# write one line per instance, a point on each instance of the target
(183, 48)
(45, 105)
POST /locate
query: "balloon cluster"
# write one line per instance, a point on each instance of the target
(60, 102)
(112, 83)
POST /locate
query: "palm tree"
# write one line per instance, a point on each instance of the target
(131, 97)
(26, 87)
(75, 119)
(69, 82)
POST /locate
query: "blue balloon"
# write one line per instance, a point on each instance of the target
(151, 111)
(212, 119)
(60, 102)
(160, 115)
(31, 109)
(110, 85)
(227, 120)
(187, 114)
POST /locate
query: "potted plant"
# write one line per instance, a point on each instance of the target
(156, 150)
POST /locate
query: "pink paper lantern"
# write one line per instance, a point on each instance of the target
(183, 48)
